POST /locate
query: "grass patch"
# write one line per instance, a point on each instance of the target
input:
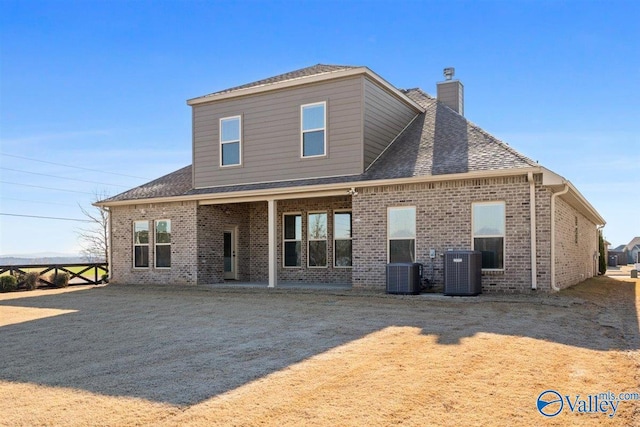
(136, 355)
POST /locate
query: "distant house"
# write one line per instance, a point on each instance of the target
(617, 256)
(627, 254)
(327, 173)
(633, 249)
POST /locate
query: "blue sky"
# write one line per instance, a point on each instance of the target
(102, 85)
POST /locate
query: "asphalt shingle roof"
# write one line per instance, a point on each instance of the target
(292, 75)
(176, 183)
(438, 141)
(441, 141)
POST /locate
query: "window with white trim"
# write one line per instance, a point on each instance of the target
(313, 128)
(317, 239)
(163, 243)
(292, 248)
(342, 239)
(230, 141)
(141, 244)
(488, 228)
(401, 234)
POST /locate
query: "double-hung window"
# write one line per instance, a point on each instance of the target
(141, 244)
(314, 135)
(230, 141)
(488, 233)
(292, 240)
(401, 234)
(163, 243)
(342, 239)
(317, 241)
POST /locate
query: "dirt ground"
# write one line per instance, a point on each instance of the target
(151, 355)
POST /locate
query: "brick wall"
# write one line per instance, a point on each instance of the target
(443, 221)
(183, 243)
(443, 211)
(251, 220)
(213, 220)
(259, 247)
(330, 274)
(543, 238)
(576, 245)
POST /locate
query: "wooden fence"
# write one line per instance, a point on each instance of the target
(79, 274)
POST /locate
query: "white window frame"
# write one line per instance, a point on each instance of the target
(239, 140)
(303, 130)
(148, 245)
(285, 240)
(504, 236)
(342, 211)
(415, 228)
(156, 244)
(326, 239)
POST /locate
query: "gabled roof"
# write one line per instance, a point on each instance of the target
(439, 144)
(633, 243)
(314, 74)
(292, 75)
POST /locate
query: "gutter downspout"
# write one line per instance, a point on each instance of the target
(532, 213)
(553, 235)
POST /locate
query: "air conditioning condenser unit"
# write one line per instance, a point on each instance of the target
(404, 278)
(462, 273)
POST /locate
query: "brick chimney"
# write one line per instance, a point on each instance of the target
(451, 92)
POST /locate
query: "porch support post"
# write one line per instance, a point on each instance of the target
(273, 267)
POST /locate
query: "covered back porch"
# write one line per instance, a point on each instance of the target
(289, 241)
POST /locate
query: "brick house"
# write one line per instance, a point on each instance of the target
(327, 173)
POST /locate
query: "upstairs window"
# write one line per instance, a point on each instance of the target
(402, 234)
(314, 140)
(317, 227)
(488, 233)
(163, 243)
(141, 244)
(230, 141)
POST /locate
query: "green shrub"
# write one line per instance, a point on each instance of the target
(60, 279)
(31, 280)
(8, 283)
(105, 278)
(602, 266)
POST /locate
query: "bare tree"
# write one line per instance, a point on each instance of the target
(95, 237)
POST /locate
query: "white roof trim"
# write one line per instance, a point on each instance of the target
(552, 179)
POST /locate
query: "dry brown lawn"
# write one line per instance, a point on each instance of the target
(120, 356)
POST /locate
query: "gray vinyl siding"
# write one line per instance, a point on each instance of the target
(384, 117)
(271, 135)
